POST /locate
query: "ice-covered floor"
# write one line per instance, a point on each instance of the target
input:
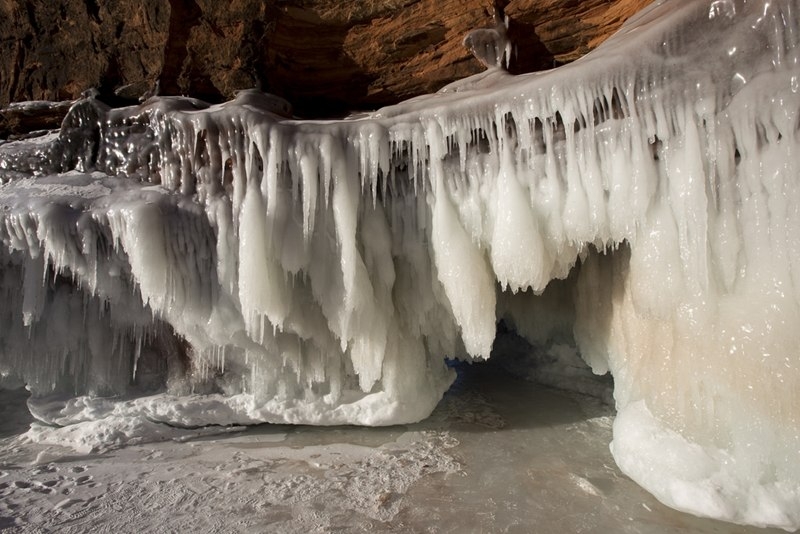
(498, 455)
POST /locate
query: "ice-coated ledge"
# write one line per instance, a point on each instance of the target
(319, 271)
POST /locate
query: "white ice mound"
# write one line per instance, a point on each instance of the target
(247, 267)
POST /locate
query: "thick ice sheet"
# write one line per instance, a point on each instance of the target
(496, 455)
(319, 271)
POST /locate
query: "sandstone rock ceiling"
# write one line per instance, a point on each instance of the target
(327, 57)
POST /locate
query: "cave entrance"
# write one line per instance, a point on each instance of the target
(535, 344)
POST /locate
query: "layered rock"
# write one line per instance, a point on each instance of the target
(326, 57)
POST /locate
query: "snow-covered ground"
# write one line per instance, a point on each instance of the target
(498, 455)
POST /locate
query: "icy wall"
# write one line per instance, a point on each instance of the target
(227, 264)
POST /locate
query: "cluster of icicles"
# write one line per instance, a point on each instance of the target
(321, 271)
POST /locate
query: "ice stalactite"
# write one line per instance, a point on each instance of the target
(320, 271)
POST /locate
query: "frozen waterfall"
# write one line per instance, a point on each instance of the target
(198, 264)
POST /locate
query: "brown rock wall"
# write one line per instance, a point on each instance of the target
(325, 56)
(56, 49)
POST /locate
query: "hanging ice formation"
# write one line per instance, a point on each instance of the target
(248, 267)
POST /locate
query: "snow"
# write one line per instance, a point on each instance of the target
(214, 265)
(497, 455)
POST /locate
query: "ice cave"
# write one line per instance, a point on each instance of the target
(202, 264)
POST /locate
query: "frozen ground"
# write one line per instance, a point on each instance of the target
(498, 455)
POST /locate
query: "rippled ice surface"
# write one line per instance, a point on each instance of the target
(498, 455)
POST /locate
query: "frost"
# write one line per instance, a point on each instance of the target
(319, 271)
